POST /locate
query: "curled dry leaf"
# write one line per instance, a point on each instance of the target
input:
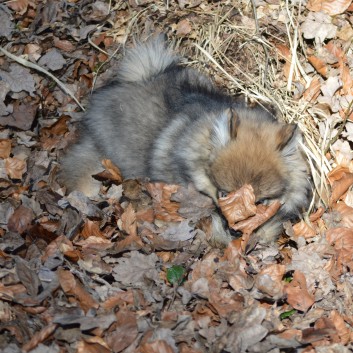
(313, 91)
(297, 293)
(159, 346)
(15, 167)
(113, 171)
(319, 65)
(302, 229)
(346, 213)
(342, 329)
(5, 148)
(124, 332)
(20, 220)
(128, 221)
(331, 7)
(342, 240)
(39, 337)
(263, 214)
(238, 205)
(165, 209)
(341, 179)
(19, 6)
(72, 286)
(183, 27)
(269, 280)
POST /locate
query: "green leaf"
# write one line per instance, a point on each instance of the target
(175, 274)
(287, 314)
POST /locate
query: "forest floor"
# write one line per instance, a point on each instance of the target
(131, 269)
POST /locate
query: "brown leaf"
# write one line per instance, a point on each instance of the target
(20, 220)
(15, 167)
(270, 280)
(319, 65)
(238, 205)
(317, 215)
(159, 346)
(5, 148)
(263, 214)
(342, 240)
(346, 213)
(342, 329)
(63, 44)
(72, 286)
(113, 171)
(331, 7)
(39, 337)
(183, 28)
(91, 228)
(128, 221)
(313, 91)
(165, 209)
(19, 6)
(125, 331)
(304, 230)
(28, 277)
(59, 128)
(341, 179)
(297, 293)
(92, 345)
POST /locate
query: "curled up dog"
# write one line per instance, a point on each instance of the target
(160, 120)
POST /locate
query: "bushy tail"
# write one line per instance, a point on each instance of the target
(146, 60)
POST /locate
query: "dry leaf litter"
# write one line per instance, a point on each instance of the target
(131, 270)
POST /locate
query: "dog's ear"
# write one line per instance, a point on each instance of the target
(233, 123)
(285, 135)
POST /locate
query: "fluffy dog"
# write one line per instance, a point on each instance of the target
(160, 120)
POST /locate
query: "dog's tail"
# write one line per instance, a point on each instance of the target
(147, 60)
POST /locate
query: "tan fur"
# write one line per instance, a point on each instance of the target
(252, 158)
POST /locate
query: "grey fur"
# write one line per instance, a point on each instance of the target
(169, 123)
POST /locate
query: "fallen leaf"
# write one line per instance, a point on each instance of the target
(15, 167)
(318, 25)
(20, 220)
(313, 91)
(136, 269)
(319, 65)
(183, 28)
(270, 280)
(238, 205)
(19, 6)
(331, 7)
(342, 240)
(128, 221)
(53, 60)
(346, 213)
(72, 286)
(19, 79)
(297, 293)
(114, 172)
(164, 208)
(124, 331)
(343, 331)
(302, 229)
(263, 214)
(341, 179)
(22, 116)
(5, 148)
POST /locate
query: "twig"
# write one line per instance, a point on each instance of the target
(260, 41)
(36, 67)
